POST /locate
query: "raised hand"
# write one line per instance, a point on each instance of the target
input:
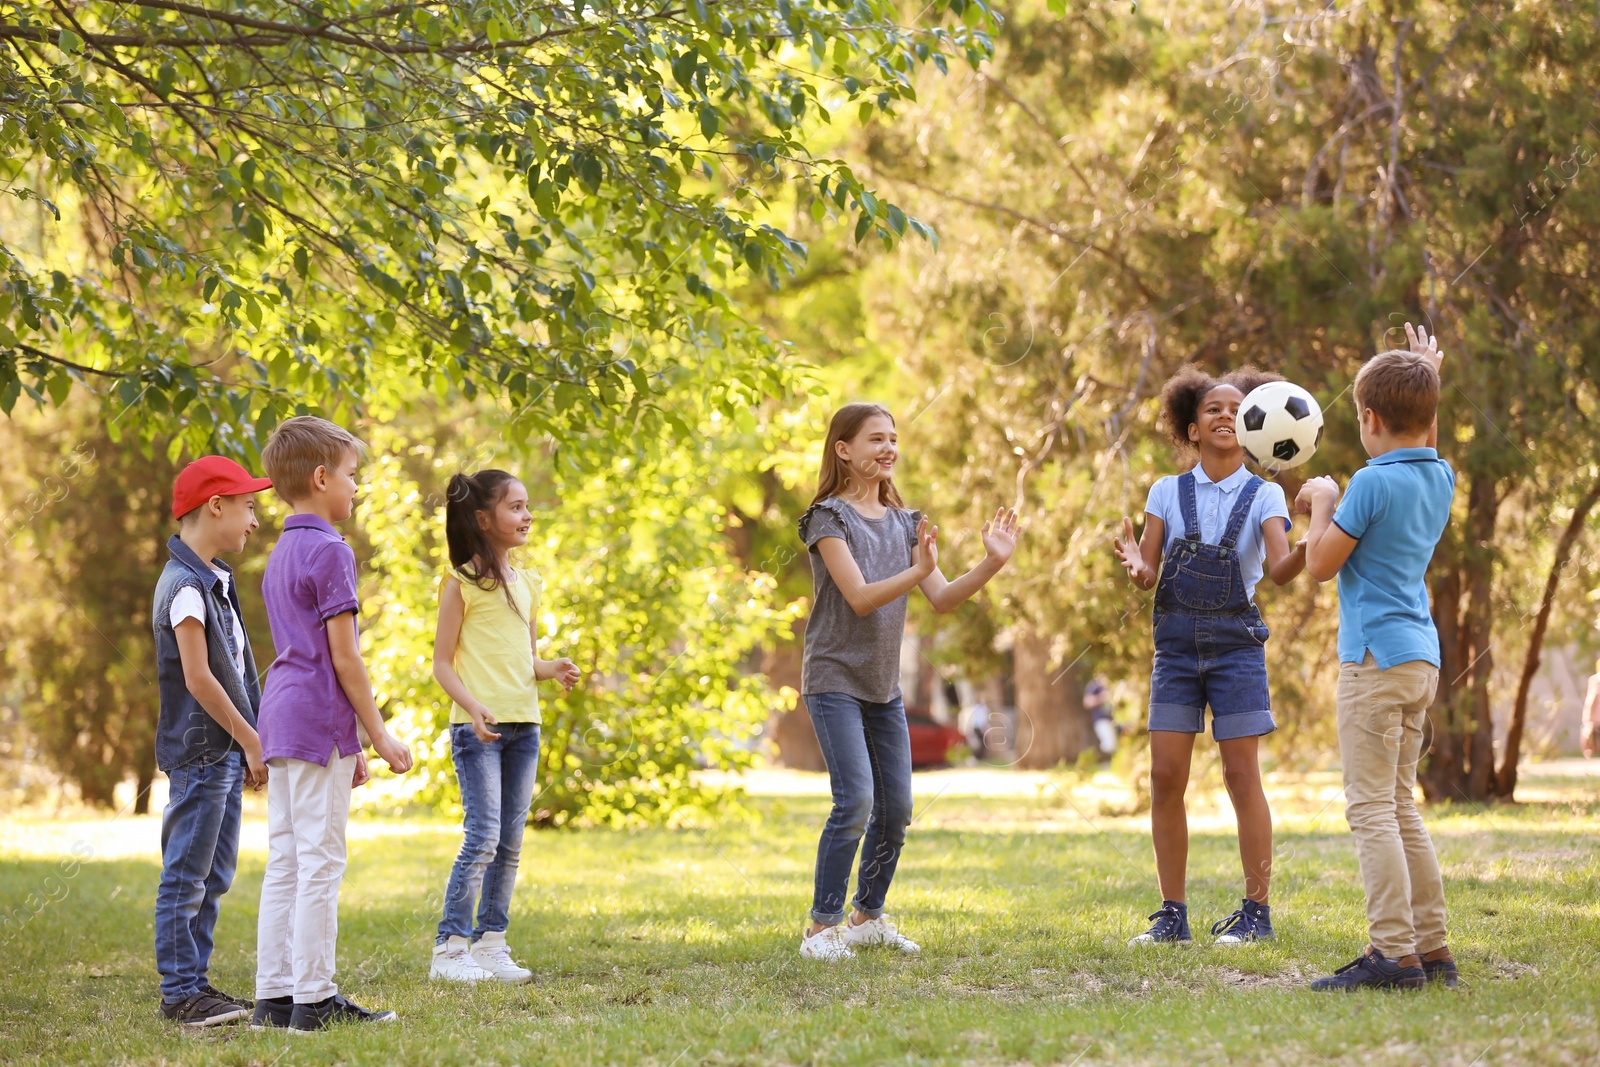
(925, 556)
(1321, 486)
(1423, 345)
(1000, 535)
(1127, 552)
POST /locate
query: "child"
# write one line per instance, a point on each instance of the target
(867, 553)
(1214, 527)
(316, 692)
(484, 658)
(206, 676)
(1379, 542)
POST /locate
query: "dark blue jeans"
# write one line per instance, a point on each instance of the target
(497, 780)
(199, 851)
(868, 752)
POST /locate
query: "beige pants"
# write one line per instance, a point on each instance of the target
(297, 931)
(1381, 718)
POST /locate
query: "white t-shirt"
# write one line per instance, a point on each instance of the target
(189, 604)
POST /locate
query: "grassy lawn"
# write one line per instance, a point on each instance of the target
(679, 947)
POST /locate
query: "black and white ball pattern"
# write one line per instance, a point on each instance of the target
(1280, 425)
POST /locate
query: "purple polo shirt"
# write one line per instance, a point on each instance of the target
(310, 578)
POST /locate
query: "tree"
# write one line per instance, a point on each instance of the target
(540, 201)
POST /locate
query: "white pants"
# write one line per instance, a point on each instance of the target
(298, 929)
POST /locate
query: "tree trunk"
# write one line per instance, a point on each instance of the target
(146, 772)
(1505, 783)
(791, 731)
(1051, 726)
(1461, 766)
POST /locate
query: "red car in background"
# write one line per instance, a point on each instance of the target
(931, 742)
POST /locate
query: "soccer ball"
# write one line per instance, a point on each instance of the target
(1280, 425)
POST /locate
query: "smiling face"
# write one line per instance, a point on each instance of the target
(506, 525)
(871, 454)
(338, 484)
(1213, 429)
(237, 520)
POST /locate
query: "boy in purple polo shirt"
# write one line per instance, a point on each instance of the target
(317, 690)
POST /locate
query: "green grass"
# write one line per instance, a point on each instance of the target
(668, 947)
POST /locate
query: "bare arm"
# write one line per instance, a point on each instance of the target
(1284, 564)
(344, 646)
(1144, 564)
(562, 670)
(999, 541)
(210, 695)
(863, 598)
(1327, 546)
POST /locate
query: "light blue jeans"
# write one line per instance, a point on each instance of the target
(199, 851)
(868, 752)
(497, 779)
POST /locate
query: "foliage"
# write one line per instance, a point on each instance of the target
(542, 202)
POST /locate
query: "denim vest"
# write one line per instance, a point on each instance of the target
(186, 733)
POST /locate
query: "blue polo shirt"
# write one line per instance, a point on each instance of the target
(1396, 507)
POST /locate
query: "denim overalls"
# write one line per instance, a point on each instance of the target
(1210, 639)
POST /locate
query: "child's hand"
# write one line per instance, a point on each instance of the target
(1000, 535)
(255, 769)
(363, 772)
(567, 673)
(925, 556)
(395, 754)
(482, 719)
(1423, 345)
(1126, 548)
(1321, 488)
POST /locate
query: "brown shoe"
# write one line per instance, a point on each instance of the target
(1440, 966)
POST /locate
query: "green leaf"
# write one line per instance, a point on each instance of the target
(69, 42)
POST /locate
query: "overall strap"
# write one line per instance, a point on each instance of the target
(1241, 511)
(1191, 513)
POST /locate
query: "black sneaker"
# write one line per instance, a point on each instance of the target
(1442, 971)
(1171, 925)
(1252, 922)
(202, 1010)
(207, 987)
(1371, 969)
(309, 1018)
(272, 1013)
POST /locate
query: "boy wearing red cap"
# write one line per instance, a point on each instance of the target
(206, 738)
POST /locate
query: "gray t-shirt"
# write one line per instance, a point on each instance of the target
(845, 652)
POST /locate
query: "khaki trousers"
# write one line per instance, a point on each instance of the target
(1381, 718)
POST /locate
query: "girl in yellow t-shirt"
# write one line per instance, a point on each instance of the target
(484, 656)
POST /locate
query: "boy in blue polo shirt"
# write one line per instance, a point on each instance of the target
(1379, 542)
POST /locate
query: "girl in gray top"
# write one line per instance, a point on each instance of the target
(867, 552)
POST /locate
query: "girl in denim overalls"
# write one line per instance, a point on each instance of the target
(1215, 526)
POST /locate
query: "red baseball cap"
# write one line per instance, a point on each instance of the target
(211, 476)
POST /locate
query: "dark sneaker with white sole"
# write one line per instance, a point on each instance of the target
(1442, 969)
(1170, 925)
(1372, 970)
(202, 1010)
(272, 1013)
(207, 987)
(1252, 922)
(309, 1018)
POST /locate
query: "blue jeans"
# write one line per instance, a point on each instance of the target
(868, 752)
(199, 851)
(497, 781)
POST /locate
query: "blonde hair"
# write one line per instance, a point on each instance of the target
(844, 426)
(1402, 387)
(298, 447)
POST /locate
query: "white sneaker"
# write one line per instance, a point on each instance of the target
(826, 944)
(879, 931)
(493, 955)
(453, 962)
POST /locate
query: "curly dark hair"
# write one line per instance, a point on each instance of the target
(1185, 390)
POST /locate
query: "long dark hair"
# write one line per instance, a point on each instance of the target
(835, 472)
(470, 551)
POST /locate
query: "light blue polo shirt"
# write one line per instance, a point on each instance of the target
(1396, 507)
(1214, 502)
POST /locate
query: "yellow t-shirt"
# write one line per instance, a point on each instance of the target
(494, 655)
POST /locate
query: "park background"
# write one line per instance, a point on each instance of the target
(638, 257)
